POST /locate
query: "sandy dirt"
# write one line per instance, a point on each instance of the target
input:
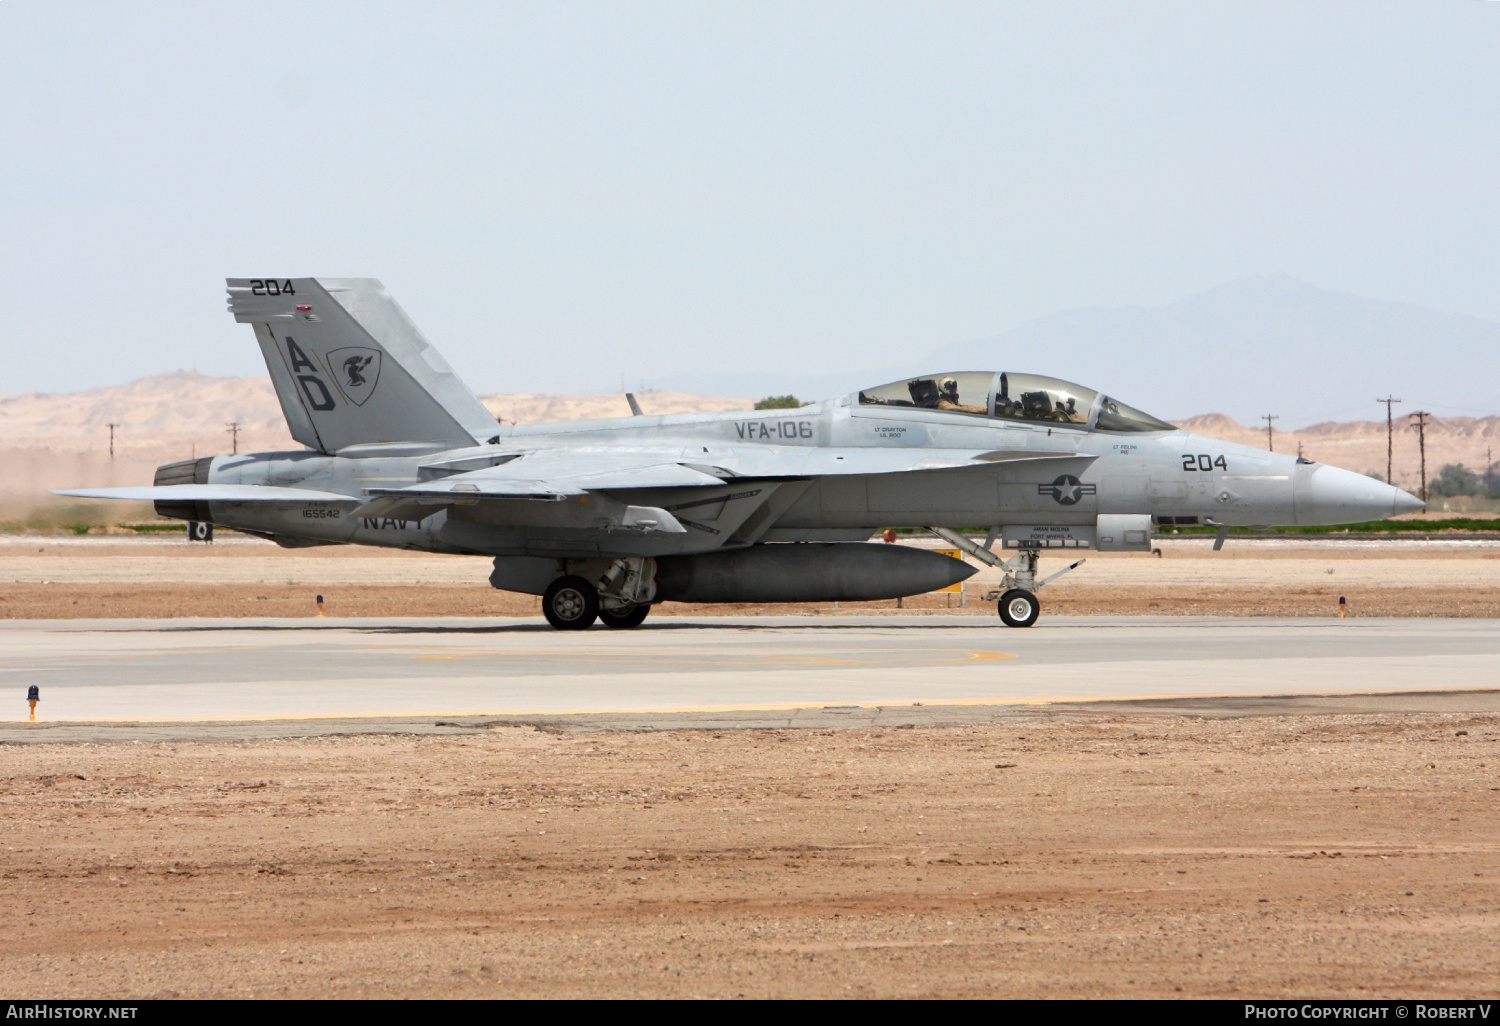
(1105, 855)
(101, 576)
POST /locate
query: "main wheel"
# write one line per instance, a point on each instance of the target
(570, 604)
(626, 616)
(1019, 608)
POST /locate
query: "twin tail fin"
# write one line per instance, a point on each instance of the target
(350, 368)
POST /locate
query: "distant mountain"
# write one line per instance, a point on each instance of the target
(1257, 346)
(172, 409)
(61, 440)
(1250, 347)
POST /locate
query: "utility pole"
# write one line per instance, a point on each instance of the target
(1489, 474)
(112, 440)
(1390, 430)
(1270, 434)
(1421, 418)
(233, 427)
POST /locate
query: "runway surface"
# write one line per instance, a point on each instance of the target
(283, 669)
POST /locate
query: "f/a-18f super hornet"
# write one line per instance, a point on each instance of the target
(603, 518)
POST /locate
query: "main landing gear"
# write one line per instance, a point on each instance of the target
(570, 604)
(621, 600)
(1019, 606)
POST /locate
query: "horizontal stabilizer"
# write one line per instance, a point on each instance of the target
(207, 493)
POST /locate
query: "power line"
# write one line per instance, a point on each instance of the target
(1270, 434)
(1390, 431)
(1421, 419)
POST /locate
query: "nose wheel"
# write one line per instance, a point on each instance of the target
(1019, 608)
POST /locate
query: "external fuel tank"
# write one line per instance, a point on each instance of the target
(807, 572)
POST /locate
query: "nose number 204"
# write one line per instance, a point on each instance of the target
(1203, 461)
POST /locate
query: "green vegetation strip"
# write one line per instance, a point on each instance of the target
(1452, 525)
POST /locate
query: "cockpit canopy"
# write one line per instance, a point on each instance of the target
(1005, 396)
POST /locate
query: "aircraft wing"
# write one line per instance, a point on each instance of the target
(548, 475)
(208, 493)
(556, 474)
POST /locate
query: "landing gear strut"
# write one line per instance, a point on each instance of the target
(1019, 606)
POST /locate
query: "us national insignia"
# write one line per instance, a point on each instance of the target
(1067, 490)
(356, 369)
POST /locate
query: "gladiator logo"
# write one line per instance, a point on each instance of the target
(1067, 490)
(356, 370)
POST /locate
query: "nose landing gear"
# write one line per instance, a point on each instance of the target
(1019, 606)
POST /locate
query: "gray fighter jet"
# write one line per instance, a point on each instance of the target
(603, 518)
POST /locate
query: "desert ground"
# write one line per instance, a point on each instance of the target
(1119, 853)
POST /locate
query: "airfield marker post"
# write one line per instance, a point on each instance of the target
(320, 605)
(1343, 606)
(33, 696)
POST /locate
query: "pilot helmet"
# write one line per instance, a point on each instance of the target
(949, 385)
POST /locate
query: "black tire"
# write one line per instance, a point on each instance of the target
(621, 619)
(570, 604)
(1019, 608)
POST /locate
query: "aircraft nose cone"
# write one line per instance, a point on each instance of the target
(1406, 502)
(1329, 495)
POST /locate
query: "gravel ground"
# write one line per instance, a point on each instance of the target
(1086, 854)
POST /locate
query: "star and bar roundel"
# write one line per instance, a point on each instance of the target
(1067, 490)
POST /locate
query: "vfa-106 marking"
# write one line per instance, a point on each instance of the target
(605, 518)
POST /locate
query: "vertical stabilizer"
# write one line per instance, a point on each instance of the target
(350, 368)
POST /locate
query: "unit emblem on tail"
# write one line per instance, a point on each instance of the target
(357, 371)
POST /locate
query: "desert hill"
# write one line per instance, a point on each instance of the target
(56, 440)
(1360, 444)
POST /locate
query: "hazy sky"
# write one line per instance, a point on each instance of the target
(559, 193)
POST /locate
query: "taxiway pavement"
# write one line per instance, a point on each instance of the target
(286, 669)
